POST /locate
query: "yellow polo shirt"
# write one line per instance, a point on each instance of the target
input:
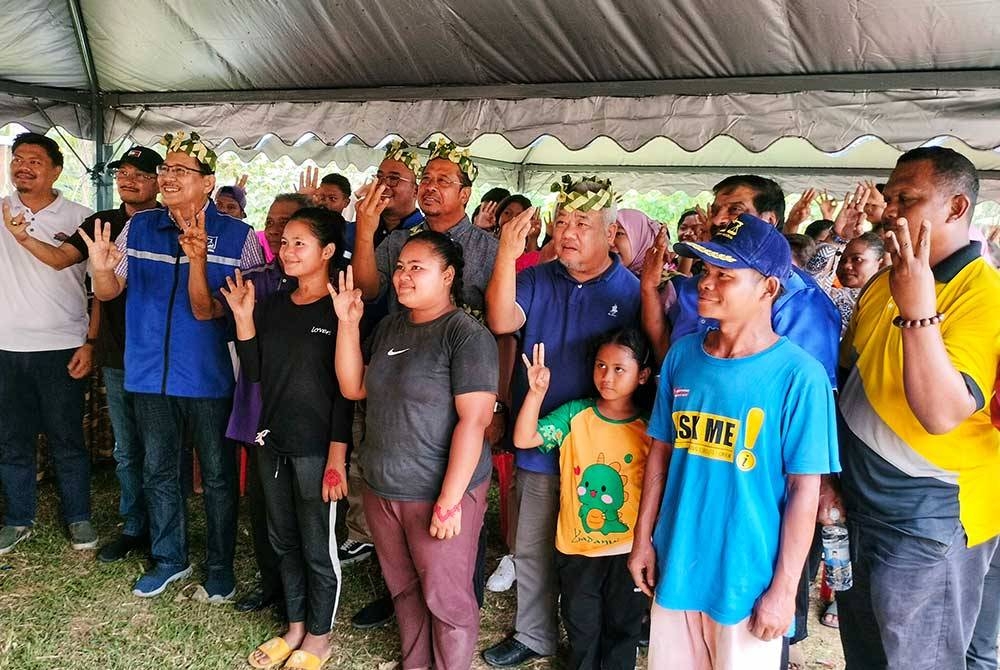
(895, 472)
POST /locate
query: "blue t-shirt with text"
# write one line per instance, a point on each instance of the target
(738, 426)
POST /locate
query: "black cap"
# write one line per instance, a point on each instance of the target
(143, 158)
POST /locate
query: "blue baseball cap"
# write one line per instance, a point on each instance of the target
(747, 242)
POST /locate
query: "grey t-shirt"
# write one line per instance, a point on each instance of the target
(414, 373)
(479, 250)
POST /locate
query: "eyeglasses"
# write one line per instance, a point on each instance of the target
(391, 180)
(440, 182)
(176, 171)
(33, 163)
(123, 175)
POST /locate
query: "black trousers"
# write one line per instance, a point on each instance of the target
(299, 526)
(601, 610)
(267, 561)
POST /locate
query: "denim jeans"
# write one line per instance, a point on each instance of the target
(37, 395)
(914, 601)
(982, 654)
(129, 453)
(163, 421)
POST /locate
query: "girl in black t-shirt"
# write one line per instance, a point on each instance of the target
(287, 343)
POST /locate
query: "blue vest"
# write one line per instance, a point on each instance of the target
(167, 350)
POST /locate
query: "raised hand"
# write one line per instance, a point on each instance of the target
(799, 211)
(104, 255)
(704, 223)
(309, 182)
(876, 203)
(911, 281)
(652, 264)
(347, 302)
(239, 294)
(827, 205)
(514, 236)
(539, 376)
(851, 217)
(193, 238)
(369, 209)
(487, 216)
(241, 183)
(15, 224)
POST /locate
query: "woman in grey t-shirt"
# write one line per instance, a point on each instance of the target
(430, 377)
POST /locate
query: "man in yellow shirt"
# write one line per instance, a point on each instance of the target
(920, 457)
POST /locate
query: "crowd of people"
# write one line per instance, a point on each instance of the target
(683, 418)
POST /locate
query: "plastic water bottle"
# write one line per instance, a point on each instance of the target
(837, 554)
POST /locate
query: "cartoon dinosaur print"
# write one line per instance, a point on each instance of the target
(602, 494)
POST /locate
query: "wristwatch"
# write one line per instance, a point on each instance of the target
(499, 408)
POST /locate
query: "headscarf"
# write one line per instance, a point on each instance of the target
(641, 231)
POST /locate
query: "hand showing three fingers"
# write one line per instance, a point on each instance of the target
(104, 255)
(911, 280)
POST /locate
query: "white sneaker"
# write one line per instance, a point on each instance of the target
(503, 577)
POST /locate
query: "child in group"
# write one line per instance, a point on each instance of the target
(603, 447)
(743, 427)
(287, 343)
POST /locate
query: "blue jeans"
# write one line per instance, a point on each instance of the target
(37, 395)
(982, 654)
(128, 453)
(163, 421)
(914, 602)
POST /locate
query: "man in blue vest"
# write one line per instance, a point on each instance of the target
(177, 363)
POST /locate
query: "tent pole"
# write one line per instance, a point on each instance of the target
(102, 155)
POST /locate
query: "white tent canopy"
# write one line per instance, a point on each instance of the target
(529, 84)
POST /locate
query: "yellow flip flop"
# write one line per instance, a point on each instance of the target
(303, 660)
(276, 650)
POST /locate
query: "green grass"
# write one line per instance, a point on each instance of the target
(61, 609)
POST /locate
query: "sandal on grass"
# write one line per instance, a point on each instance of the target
(830, 618)
(303, 660)
(276, 650)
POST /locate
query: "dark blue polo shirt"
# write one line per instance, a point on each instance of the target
(803, 313)
(567, 316)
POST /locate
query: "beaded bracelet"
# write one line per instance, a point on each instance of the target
(900, 322)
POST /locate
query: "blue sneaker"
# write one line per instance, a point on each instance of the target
(221, 588)
(155, 581)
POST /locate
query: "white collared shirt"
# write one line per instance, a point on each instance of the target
(42, 309)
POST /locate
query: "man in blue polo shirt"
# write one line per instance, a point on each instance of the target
(803, 313)
(177, 363)
(565, 303)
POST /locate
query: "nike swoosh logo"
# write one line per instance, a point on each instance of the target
(393, 352)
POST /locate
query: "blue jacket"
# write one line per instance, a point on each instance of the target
(167, 350)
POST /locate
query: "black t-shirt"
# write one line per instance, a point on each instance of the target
(110, 348)
(292, 358)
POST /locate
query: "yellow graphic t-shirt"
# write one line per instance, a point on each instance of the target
(601, 464)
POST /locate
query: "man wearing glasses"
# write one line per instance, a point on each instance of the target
(177, 363)
(135, 177)
(443, 192)
(44, 355)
